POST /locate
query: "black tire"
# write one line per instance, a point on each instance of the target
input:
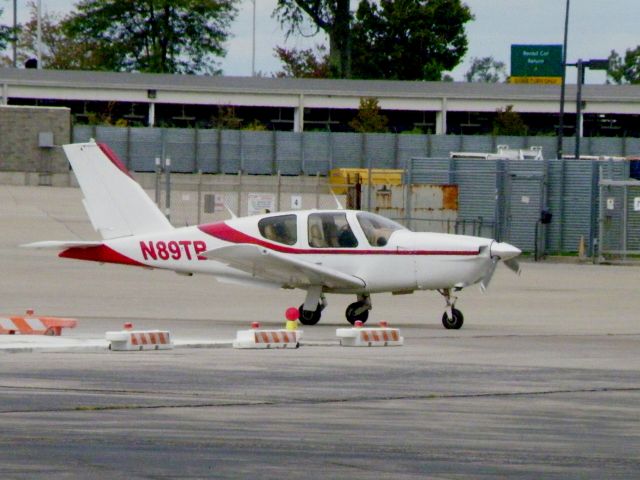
(352, 318)
(455, 322)
(308, 317)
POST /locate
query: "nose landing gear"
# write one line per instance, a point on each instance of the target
(454, 320)
(359, 310)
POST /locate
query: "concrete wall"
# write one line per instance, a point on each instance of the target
(20, 128)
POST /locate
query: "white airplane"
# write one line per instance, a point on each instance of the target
(320, 251)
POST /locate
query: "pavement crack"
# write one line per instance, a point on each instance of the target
(322, 401)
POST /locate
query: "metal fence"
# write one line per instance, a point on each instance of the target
(308, 153)
(510, 195)
(619, 219)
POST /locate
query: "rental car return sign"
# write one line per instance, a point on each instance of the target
(536, 64)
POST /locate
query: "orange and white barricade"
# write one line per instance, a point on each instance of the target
(257, 338)
(34, 325)
(135, 340)
(359, 336)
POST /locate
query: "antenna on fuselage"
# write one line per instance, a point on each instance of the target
(231, 212)
(335, 197)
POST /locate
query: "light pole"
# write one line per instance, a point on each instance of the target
(253, 42)
(39, 35)
(563, 84)
(596, 64)
(15, 33)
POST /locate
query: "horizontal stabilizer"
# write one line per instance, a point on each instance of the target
(58, 245)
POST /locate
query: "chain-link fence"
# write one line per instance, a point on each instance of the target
(619, 215)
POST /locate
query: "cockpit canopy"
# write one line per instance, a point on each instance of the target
(330, 229)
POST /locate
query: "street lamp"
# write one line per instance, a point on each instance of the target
(564, 82)
(595, 64)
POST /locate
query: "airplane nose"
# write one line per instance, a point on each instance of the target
(504, 250)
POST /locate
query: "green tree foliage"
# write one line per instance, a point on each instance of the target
(304, 63)
(386, 39)
(509, 122)
(369, 119)
(58, 50)
(627, 69)
(408, 39)
(332, 17)
(5, 34)
(162, 36)
(486, 70)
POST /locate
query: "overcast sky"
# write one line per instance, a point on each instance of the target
(595, 28)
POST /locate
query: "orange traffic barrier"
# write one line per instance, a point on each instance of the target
(257, 338)
(369, 337)
(34, 325)
(128, 339)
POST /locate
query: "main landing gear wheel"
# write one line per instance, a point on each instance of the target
(357, 311)
(310, 317)
(453, 321)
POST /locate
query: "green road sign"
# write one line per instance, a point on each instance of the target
(536, 60)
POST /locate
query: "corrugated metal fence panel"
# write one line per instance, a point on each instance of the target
(555, 203)
(257, 151)
(117, 139)
(477, 143)
(410, 146)
(442, 145)
(82, 133)
(289, 153)
(179, 146)
(230, 161)
(146, 146)
(549, 145)
(434, 171)
(477, 188)
(316, 153)
(632, 147)
(577, 201)
(515, 143)
(601, 146)
(346, 149)
(207, 158)
(380, 150)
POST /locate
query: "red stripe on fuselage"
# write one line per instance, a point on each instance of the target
(224, 232)
(101, 253)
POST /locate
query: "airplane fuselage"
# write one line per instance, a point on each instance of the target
(408, 261)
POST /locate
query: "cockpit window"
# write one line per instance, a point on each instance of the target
(376, 228)
(330, 230)
(280, 229)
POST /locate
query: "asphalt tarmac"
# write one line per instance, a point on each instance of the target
(543, 381)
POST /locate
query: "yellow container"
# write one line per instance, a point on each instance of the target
(341, 178)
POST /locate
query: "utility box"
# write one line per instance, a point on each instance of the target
(45, 140)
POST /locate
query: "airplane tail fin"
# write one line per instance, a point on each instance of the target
(116, 204)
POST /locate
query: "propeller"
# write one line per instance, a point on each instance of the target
(505, 252)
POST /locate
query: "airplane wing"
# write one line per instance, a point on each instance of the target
(276, 267)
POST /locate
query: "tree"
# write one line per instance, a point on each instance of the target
(369, 119)
(625, 70)
(6, 34)
(304, 63)
(509, 122)
(409, 39)
(58, 50)
(486, 70)
(334, 17)
(162, 36)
